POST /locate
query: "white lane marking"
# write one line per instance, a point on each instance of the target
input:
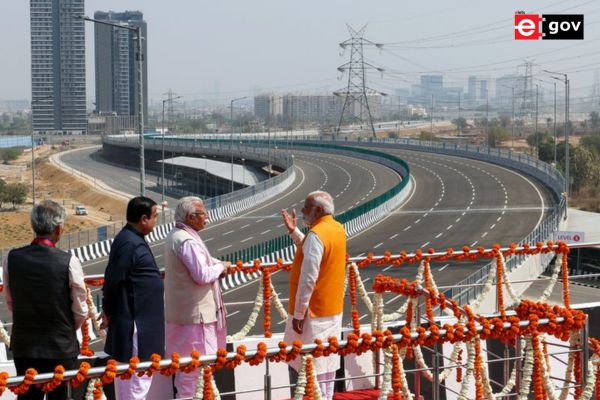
(394, 236)
(417, 221)
(493, 226)
(280, 225)
(424, 244)
(227, 233)
(376, 246)
(208, 240)
(363, 317)
(498, 220)
(474, 243)
(245, 226)
(457, 219)
(438, 235)
(223, 248)
(444, 267)
(259, 220)
(248, 238)
(449, 227)
(267, 231)
(484, 234)
(360, 255)
(366, 280)
(232, 314)
(393, 298)
(386, 268)
(407, 228)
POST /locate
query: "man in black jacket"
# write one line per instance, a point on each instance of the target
(133, 297)
(45, 291)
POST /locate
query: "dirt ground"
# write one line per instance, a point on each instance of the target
(56, 184)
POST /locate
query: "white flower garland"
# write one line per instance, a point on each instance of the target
(4, 336)
(386, 385)
(361, 288)
(301, 384)
(258, 302)
(553, 279)
(463, 394)
(89, 393)
(278, 305)
(94, 315)
(508, 387)
(527, 370)
(593, 362)
(548, 384)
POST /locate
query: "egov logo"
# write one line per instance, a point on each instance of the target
(548, 26)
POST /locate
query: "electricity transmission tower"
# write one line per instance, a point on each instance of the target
(356, 106)
(527, 93)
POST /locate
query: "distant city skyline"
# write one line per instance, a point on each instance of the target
(218, 51)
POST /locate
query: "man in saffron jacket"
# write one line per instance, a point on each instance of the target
(133, 291)
(316, 290)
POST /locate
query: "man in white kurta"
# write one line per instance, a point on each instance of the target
(317, 293)
(194, 309)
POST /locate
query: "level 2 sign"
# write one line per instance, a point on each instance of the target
(570, 237)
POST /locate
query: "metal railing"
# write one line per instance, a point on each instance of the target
(436, 366)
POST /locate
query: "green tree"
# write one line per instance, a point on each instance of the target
(15, 193)
(591, 142)
(584, 167)
(10, 154)
(460, 123)
(497, 135)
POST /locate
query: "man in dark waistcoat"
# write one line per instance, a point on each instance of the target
(133, 297)
(45, 291)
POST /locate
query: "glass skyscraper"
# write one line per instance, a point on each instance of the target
(117, 77)
(58, 66)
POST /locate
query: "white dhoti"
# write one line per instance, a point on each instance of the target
(314, 328)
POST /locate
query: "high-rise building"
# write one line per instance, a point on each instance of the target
(117, 78)
(58, 66)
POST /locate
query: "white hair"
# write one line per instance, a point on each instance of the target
(185, 207)
(323, 200)
(46, 216)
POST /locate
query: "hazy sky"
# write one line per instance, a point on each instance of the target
(228, 48)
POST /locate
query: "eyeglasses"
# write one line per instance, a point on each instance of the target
(199, 213)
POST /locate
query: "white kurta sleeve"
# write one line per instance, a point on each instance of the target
(309, 272)
(297, 237)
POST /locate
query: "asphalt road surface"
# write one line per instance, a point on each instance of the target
(454, 202)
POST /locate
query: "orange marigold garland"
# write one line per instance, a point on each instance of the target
(27, 381)
(565, 275)
(266, 276)
(459, 371)
(207, 392)
(133, 362)
(81, 376)
(110, 372)
(98, 390)
(309, 390)
(85, 340)
(396, 378)
(173, 367)
(3, 382)
(56, 381)
(499, 283)
(194, 363)
(478, 367)
(155, 366)
(352, 283)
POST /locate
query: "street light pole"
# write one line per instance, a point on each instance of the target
(162, 168)
(555, 138)
(567, 160)
(231, 134)
(537, 140)
(140, 66)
